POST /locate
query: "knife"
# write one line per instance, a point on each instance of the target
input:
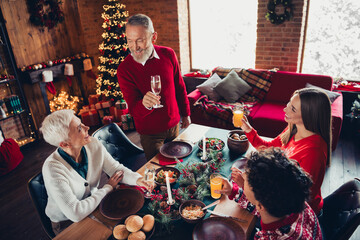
(227, 216)
(211, 204)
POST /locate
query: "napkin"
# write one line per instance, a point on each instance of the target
(167, 161)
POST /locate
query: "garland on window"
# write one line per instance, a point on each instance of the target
(45, 13)
(276, 18)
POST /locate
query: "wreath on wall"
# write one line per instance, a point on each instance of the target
(45, 13)
(279, 11)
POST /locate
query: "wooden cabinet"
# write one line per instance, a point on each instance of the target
(15, 120)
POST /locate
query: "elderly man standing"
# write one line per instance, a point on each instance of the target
(155, 125)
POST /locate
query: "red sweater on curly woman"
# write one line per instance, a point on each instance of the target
(309, 152)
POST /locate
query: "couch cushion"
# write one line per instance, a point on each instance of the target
(332, 95)
(223, 72)
(207, 87)
(269, 119)
(283, 84)
(232, 87)
(260, 82)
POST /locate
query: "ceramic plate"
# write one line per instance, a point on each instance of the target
(240, 164)
(218, 228)
(214, 143)
(176, 149)
(162, 183)
(121, 203)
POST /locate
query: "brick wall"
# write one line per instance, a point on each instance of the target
(280, 46)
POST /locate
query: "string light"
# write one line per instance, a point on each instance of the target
(64, 101)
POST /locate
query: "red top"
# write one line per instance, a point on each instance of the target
(310, 153)
(134, 81)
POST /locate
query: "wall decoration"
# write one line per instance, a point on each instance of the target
(45, 13)
(279, 11)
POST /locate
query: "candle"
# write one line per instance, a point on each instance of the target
(204, 148)
(170, 200)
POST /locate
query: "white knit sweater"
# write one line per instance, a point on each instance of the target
(68, 197)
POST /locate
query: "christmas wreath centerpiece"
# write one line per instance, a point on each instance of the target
(45, 13)
(279, 11)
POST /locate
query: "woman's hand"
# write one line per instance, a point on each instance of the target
(115, 178)
(236, 176)
(149, 186)
(226, 188)
(245, 124)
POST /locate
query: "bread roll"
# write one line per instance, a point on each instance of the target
(140, 235)
(148, 223)
(134, 223)
(127, 219)
(120, 232)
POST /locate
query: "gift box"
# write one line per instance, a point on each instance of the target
(118, 112)
(90, 118)
(123, 104)
(103, 104)
(127, 122)
(92, 106)
(93, 99)
(118, 104)
(108, 119)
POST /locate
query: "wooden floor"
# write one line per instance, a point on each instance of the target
(19, 220)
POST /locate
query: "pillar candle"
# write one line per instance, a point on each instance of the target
(168, 188)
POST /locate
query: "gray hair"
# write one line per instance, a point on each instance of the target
(56, 126)
(141, 20)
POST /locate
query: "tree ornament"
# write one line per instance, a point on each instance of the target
(279, 11)
(45, 13)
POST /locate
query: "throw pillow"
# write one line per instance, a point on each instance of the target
(232, 87)
(207, 87)
(332, 95)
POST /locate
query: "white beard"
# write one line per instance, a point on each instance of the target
(147, 53)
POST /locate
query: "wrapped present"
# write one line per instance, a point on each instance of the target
(118, 104)
(98, 105)
(90, 118)
(123, 104)
(107, 120)
(101, 113)
(86, 108)
(103, 104)
(118, 112)
(92, 106)
(93, 99)
(127, 122)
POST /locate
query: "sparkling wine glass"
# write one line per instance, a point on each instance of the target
(149, 178)
(156, 88)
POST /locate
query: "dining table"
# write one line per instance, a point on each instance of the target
(98, 227)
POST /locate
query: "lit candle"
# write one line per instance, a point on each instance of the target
(170, 200)
(204, 148)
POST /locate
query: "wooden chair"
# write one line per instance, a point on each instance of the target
(341, 211)
(39, 197)
(120, 147)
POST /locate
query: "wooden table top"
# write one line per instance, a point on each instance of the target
(91, 229)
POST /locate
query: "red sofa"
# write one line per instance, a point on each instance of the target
(267, 116)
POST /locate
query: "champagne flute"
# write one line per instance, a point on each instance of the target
(156, 88)
(149, 178)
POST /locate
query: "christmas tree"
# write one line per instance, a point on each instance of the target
(113, 50)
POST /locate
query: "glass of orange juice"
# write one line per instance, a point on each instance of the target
(238, 114)
(215, 184)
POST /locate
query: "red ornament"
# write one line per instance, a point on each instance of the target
(109, 87)
(112, 47)
(113, 100)
(109, 28)
(110, 61)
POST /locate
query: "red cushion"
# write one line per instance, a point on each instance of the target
(269, 119)
(10, 156)
(283, 84)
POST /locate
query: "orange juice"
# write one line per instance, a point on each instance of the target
(237, 117)
(215, 184)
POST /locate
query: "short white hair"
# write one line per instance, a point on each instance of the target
(56, 126)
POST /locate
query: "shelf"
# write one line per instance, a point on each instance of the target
(11, 115)
(25, 140)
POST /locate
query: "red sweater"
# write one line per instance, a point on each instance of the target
(134, 82)
(310, 153)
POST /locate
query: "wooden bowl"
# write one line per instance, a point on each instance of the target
(237, 146)
(175, 170)
(188, 203)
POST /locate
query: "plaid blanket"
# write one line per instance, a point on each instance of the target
(222, 110)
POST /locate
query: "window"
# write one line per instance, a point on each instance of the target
(223, 33)
(332, 39)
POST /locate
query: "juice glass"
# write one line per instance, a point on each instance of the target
(215, 184)
(238, 114)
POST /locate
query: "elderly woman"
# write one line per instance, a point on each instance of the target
(72, 173)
